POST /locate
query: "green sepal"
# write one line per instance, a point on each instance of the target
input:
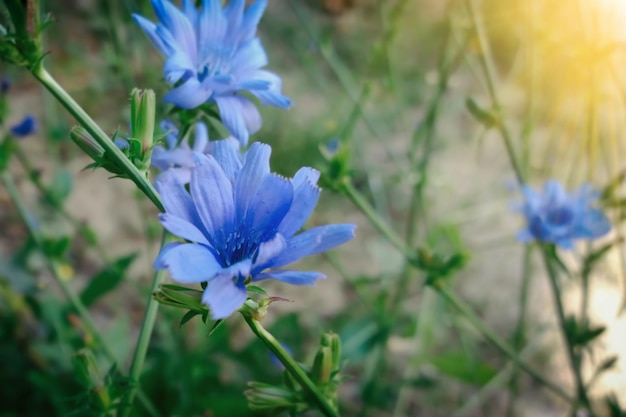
(488, 118)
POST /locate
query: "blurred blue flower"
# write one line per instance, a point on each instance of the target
(177, 155)
(5, 84)
(212, 55)
(242, 220)
(26, 127)
(560, 218)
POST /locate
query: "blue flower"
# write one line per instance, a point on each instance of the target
(560, 218)
(242, 220)
(178, 156)
(26, 127)
(212, 55)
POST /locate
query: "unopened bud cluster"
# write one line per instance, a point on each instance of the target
(289, 396)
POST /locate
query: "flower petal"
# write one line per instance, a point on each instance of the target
(251, 19)
(178, 25)
(248, 58)
(226, 153)
(188, 263)
(211, 25)
(212, 195)
(188, 95)
(239, 115)
(594, 225)
(182, 228)
(306, 194)
(176, 200)
(268, 207)
(292, 277)
(223, 297)
(313, 241)
(269, 250)
(177, 66)
(201, 138)
(150, 29)
(271, 96)
(255, 167)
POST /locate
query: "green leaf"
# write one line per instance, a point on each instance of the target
(487, 118)
(188, 316)
(258, 290)
(607, 364)
(61, 186)
(56, 248)
(421, 381)
(464, 368)
(6, 149)
(217, 324)
(106, 280)
(592, 258)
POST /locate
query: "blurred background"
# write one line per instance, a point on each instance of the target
(365, 72)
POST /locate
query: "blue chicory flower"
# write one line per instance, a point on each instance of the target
(27, 126)
(177, 156)
(212, 55)
(5, 84)
(560, 218)
(242, 221)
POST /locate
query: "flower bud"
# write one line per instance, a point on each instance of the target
(333, 341)
(142, 114)
(87, 143)
(322, 366)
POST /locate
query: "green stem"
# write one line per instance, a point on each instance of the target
(574, 359)
(376, 221)
(112, 151)
(492, 337)
(78, 305)
(296, 371)
(519, 336)
(490, 76)
(145, 333)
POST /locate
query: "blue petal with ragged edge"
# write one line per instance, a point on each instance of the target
(189, 263)
(213, 55)
(234, 211)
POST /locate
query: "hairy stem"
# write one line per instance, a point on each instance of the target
(296, 371)
(145, 333)
(500, 344)
(574, 359)
(97, 133)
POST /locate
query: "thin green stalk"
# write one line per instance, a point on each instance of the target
(145, 333)
(78, 305)
(500, 344)
(493, 386)
(574, 359)
(296, 371)
(423, 326)
(520, 330)
(376, 221)
(97, 133)
(490, 77)
(54, 267)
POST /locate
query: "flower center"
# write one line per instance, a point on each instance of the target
(561, 216)
(217, 61)
(237, 246)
